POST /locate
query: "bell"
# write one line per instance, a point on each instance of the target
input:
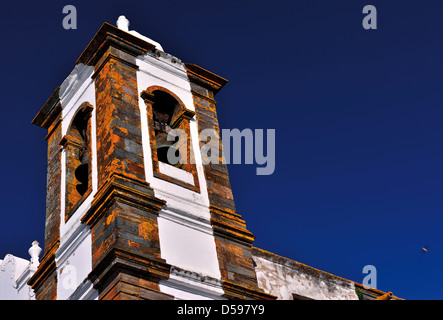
(163, 147)
(162, 154)
(82, 173)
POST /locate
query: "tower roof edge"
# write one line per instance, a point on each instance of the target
(110, 34)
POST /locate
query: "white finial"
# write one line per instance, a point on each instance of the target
(34, 252)
(123, 23)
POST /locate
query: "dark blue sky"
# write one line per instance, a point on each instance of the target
(358, 118)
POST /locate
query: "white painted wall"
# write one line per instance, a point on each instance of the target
(73, 260)
(74, 256)
(14, 275)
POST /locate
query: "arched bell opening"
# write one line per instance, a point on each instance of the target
(169, 122)
(81, 173)
(165, 110)
(77, 146)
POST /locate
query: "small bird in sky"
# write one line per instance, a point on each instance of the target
(425, 249)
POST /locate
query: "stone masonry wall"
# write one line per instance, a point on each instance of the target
(292, 280)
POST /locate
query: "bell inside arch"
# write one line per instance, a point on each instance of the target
(82, 173)
(165, 147)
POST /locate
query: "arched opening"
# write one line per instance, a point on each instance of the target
(170, 137)
(165, 109)
(77, 146)
(81, 172)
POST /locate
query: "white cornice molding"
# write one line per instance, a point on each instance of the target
(188, 220)
(194, 283)
(76, 79)
(85, 291)
(164, 62)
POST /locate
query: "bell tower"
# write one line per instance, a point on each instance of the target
(123, 221)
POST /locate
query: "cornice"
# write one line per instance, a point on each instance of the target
(184, 115)
(109, 35)
(205, 78)
(230, 225)
(120, 188)
(119, 260)
(49, 112)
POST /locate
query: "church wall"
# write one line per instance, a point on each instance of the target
(11, 270)
(145, 230)
(292, 280)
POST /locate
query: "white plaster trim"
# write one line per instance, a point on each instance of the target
(75, 237)
(176, 173)
(72, 85)
(85, 92)
(164, 63)
(84, 291)
(198, 162)
(23, 278)
(149, 40)
(186, 219)
(186, 284)
(71, 243)
(180, 199)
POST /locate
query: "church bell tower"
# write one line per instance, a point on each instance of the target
(122, 220)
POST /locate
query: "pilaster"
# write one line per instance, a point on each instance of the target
(126, 259)
(233, 240)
